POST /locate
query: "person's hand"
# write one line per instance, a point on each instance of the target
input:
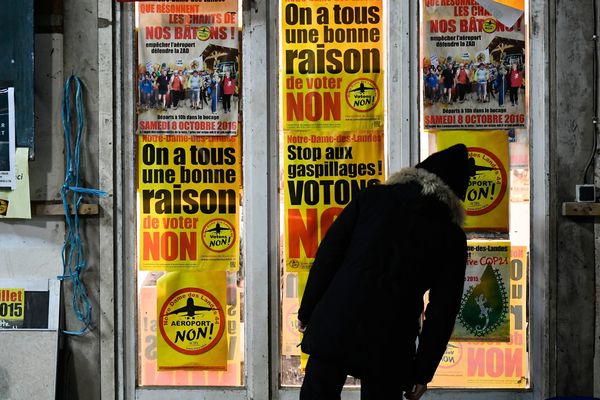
(416, 392)
(301, 327)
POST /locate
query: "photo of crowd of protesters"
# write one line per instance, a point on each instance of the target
(457, 82)
(162, 88)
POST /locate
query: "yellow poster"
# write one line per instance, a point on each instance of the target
(149, 373)
(493, 364)
(486, 203)
(332, 65)
(16, 203)
(321, 175)
(483, 314)
(191, 310)
(188, 197)
(12, 307)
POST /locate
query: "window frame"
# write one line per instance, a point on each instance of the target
(260, 200)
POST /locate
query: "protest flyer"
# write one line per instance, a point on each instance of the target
(188, 202)
(188, 71)
(16, 203)
(483, 315)
(321, 176)
(12, 308)
(473, 67)
(332, 65)
(486, 203)
(149, 373)
(7, 138)
(191, 309)
(507, 12)
(497, 365)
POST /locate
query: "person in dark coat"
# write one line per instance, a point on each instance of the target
(361, 309)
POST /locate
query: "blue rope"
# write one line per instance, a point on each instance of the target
(73, 257)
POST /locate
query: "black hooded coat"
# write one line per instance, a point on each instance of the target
(364, 295)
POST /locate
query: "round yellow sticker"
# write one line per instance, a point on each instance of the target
(218, 235)
(203, 33)
(487, 186)
(362, 94)
(192, 321)
(489, 25)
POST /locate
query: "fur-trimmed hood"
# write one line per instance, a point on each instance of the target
(431, 185)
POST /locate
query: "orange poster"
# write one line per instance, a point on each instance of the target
(473, 65)
(189, 67)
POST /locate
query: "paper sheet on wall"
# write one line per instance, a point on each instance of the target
(7, 138)
(16, 203)
(507, 12)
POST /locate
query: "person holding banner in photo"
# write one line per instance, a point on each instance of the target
(361, 308)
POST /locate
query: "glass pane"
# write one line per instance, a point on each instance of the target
(150, 375)
(473, 65)
(331, 138)
(190, 272)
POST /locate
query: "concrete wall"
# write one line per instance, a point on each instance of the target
(31, 248)
(573, 264)
(66, 42)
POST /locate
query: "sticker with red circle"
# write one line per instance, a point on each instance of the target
(362, 94)
(218, 235)
(192, 321)
(488, 182)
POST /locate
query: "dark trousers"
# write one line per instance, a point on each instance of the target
(227, 102)
(501, 93)
(175, 94)
(203, 99)
(462, 89)
(325, 381)
(514, 95)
